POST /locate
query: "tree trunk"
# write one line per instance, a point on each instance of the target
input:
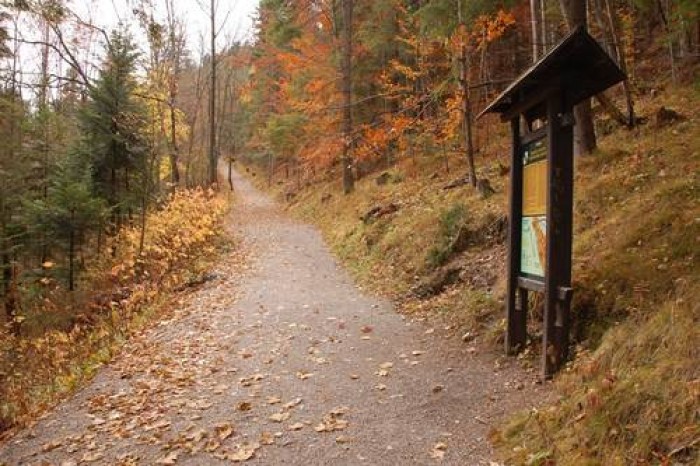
(584, 133)
(466, 104)
(71, 253)
(174, 149)
(621, 61)
(348, 177)
(230, 173)
(212, 100)
(537, 39)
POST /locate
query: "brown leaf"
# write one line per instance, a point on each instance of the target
(296, 426)
(266, 438)
(280, 417)
(52, 445)
(211, 446)
(243, 453)
(170, 458)
(244, 406)
(291, 404)
(224, 431)
(438, 451)
(90, 457)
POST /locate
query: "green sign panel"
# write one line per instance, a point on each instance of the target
(533, 249)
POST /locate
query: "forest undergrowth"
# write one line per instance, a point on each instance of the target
(64, 336)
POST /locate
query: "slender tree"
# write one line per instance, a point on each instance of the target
(348, 176)
(584, 133)
(213, 156)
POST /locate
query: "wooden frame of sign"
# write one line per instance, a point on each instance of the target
(539, 106)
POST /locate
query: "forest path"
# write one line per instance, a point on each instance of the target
(284, 361)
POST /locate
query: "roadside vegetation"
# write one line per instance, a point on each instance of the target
(64, 336)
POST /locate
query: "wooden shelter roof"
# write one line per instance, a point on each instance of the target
(578, 65)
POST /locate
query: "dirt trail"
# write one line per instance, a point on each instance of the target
(290, 339)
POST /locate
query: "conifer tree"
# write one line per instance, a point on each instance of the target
(69, 211)
(111, 121)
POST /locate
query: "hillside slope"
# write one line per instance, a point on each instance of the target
(637, 226)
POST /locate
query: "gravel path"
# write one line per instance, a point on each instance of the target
(283, 361)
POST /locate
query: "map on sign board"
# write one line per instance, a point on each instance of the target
(533, 249)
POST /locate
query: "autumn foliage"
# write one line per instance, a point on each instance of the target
(67, 335)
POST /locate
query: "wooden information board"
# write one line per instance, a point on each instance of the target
(539, 106)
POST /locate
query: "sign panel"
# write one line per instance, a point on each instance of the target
(533, 247)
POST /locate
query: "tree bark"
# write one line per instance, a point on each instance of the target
(176, 49)
(212, 99)
(348, 177)
(535, 19)
(466, 104)
(574, 12)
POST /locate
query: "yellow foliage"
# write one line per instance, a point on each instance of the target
(38, 369)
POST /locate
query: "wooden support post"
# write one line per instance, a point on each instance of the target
(559, 236)
(516, 331)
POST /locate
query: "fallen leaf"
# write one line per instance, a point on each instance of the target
(244, 406)
(438, 451)
(266, 438)
(296, 426)
(211, 446)
(273, 400)
(332, 422)
(224, 431)
(52, 445)
(386, 365)
(366, 329)
(243, 453)
(304, 375)
(280, 417)
(291, 404)
(91, 456)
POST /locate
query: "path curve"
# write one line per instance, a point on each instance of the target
(288, 362)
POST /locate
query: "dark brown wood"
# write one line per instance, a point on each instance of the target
(559, 231)
(516, 331)
(526, 103)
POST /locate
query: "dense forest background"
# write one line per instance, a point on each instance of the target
(111, 141)
(320, 87)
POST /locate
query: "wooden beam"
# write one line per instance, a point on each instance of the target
(516, 330)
